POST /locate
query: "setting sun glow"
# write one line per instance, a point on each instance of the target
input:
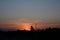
(25, 26)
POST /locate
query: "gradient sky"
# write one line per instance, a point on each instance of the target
(27, 11)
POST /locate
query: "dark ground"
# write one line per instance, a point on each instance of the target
(31, 35)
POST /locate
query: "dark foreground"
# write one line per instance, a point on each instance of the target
(31, 35)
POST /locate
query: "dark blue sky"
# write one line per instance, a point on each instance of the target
(45, 10)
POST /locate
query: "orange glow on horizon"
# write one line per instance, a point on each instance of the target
(25, 26)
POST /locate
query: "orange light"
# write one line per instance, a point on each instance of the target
(25, 26)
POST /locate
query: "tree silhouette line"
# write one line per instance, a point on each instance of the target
(29, 35)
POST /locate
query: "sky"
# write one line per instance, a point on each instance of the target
(14, 14)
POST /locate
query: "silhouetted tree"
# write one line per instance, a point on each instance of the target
(32, 28)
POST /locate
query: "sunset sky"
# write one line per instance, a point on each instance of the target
(21, 14)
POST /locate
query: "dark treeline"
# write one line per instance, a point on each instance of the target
(31, 35)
